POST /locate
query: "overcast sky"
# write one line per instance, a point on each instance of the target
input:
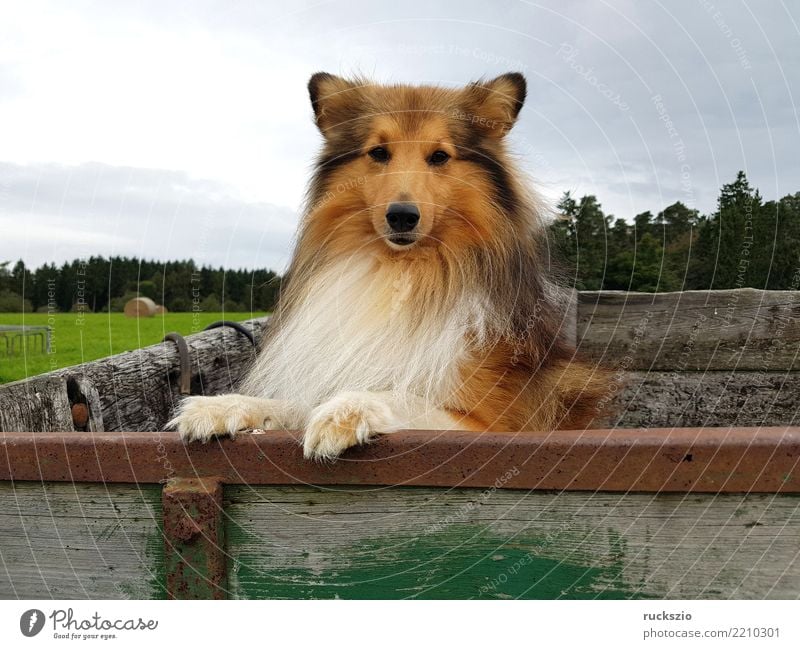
(182, 129)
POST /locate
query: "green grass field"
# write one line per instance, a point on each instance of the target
(79, 338)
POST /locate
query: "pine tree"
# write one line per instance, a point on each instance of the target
(727, 247)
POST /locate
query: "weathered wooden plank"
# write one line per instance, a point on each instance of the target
(73, 541)
(300, 542)
(741, 329)
(136, 390)
(36, 404)
(690, 399)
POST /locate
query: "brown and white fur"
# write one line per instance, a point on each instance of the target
(449, 324)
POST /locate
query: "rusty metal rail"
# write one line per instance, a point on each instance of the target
(710, 460)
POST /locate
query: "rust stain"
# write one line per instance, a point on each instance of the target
(80, 415)
(193, 539)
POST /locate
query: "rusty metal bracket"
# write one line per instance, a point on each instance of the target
(185, 381)
(185, 384)
(194, 539)
(234, 325)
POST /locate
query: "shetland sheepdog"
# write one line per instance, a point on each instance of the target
(418, 294)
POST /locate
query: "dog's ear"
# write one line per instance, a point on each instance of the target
(334, 100)
(493, 105)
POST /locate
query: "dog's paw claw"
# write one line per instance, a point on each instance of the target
(342, 422)
(202, 418)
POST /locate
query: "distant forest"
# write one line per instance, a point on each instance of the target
(100, 284)
(746, 242)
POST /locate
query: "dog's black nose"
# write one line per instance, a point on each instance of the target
(402, 217)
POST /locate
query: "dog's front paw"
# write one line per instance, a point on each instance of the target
(201, 418)
(348, 419)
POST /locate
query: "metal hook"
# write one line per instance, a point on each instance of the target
(185, 383)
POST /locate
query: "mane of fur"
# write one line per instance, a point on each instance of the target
(405, 325)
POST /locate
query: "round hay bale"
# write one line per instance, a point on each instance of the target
(140, 307)
(161, 309)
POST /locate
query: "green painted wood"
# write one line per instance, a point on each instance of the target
(304, 542)
(95, 541)
(82, 540)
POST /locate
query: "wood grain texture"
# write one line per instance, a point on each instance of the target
(137, 390)
(691, 399)
(301, 542)
(741, 329)
(78, 541)
(37, 404)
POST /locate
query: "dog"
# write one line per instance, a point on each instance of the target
(418, 295)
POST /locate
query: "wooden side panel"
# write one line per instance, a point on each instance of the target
(741, 329)
(77, 541)
(300, 542)
(697, 399)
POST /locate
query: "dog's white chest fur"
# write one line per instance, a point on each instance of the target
(365, 327)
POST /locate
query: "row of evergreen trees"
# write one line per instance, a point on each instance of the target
(745, 242)
(106, 284)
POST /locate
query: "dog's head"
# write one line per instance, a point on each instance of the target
(406, 168)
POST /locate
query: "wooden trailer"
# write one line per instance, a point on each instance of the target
(693, 491)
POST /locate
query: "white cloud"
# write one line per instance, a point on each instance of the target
(60, 212)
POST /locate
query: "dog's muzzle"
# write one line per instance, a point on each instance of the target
(402, 219)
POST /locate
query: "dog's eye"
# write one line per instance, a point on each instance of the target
(379, 154)
(438, 158)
